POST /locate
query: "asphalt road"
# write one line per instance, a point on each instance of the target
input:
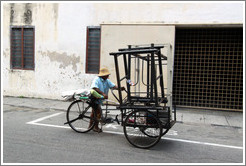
(40, 136)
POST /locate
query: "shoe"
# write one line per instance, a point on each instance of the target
(97, 130)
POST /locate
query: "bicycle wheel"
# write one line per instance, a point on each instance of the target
(79, 116)
(134, 125)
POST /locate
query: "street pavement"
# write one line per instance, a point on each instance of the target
(183, 115)
(34, 132)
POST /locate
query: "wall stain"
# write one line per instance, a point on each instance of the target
(64, 59)
(55, 10)
(12, 13)
(28, 14)
(6, 53)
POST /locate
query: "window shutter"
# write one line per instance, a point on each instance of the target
(22, 48)
(28, 46)
(93, 50)
(16, 48)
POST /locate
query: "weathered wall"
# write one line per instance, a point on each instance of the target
(60, 37)
(59, 51)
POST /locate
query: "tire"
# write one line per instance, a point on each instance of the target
(149, 134)
(78, 116)
(164, 131)
(135, 124)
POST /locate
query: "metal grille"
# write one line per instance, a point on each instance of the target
(208, 68)
(28, 48)
(93, 49)
(16, 48)
(22, 48)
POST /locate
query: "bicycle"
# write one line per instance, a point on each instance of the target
(145, 119)
(79, 114)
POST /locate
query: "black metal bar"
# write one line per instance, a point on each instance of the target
(123, 78)
(141, 100)
(145, 51)
(161, 75)
(118, 78)
(148, 76)
(125, 63)
(129, 76)
(139, 107)
(137, 48)
(153, 76)
(140, 57)
(151, 79)
(163, 56)
(158, 77)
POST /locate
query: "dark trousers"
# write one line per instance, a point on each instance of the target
(96, 108)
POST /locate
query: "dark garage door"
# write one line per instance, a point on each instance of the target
(208, 68)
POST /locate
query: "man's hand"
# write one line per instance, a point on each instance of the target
(122, 88)
(105, 96)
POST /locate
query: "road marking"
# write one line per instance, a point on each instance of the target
(116, 126)
(46, 117)
(35, 122)
(203, 143)
(172, 132)
(111, 126)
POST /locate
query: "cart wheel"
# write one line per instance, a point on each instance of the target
(164, 132)
(150, 134)
(78, 116)
(134, 125)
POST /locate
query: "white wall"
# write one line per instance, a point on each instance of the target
(60, 37)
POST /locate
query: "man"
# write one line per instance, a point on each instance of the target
(101, 85)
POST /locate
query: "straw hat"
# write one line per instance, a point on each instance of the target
(103, 72)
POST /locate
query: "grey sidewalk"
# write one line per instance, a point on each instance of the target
(192, 116)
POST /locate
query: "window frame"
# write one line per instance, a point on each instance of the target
(88, 28)
(22, 48)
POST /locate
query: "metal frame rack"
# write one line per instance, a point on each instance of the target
(155, 98)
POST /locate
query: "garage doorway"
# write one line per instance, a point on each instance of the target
(208, 68)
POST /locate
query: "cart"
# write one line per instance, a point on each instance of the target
(146, 109)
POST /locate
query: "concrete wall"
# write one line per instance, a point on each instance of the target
(60, 40)
(60, 37)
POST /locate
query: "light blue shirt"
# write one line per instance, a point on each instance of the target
(102, 85)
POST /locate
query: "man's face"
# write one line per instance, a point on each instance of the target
(105, 77)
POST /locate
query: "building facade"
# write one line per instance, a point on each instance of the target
(48, 48)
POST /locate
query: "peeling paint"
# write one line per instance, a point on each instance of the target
(6, 53)
(63, 58)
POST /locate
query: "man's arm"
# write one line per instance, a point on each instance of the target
(100, 92)
(116, 87)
